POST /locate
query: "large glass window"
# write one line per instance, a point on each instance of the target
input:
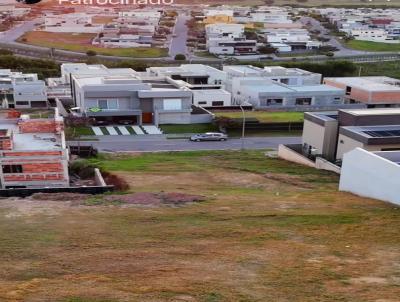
(111, 104)
(172, 104)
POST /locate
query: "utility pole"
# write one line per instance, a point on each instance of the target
(243, 125)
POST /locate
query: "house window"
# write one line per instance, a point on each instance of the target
(303, 101)
(348, 90)
(111, 104)
(217, 103)
(7, 169)
(202, 103)
(172, 104)
(22, 103)
(269, 102)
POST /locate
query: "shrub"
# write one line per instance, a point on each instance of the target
(91, 53)
(180, 57)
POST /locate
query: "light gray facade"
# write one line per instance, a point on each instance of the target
(115, 98)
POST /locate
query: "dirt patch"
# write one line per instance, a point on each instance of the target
(59, 196)
(292, 180)
(155, 199)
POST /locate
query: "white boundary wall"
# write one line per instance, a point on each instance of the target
(369, 175)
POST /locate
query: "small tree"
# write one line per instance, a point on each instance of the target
(91, 53)
(6, 52)
(267, 49)
(180, 57)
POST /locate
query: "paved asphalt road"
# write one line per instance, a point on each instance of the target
(16, 32)
(160, 143)
(343, 51)
(178, 43)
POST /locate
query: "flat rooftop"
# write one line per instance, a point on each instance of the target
(370, 83)
(32, 141)
(373, 135)
(373, 111)
(266, 87)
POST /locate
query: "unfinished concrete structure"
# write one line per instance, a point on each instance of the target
(33, 153)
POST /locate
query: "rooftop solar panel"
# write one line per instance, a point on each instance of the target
(383, 133)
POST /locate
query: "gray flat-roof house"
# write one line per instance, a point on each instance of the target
(18, 90)
(265, 93)
(127, 97)
(332, 134)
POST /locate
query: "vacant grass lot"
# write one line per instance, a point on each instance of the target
(390, 69)
(264, 116)
(82, 43)
(268, 231)
(372, 46)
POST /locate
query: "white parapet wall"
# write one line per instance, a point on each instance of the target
(369, 175)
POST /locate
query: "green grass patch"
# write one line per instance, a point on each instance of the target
(104, 130)
(80, 130)
(389, 69)
(372, 46)
(253, 161)
(130, 130)
(265, 116)
(191, 128)
(204, 54)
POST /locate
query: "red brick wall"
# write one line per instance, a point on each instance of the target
(37, 153)
(40, 126)
(37, 177)
(42, 167)
(392, 97)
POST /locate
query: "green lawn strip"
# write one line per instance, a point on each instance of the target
(372, 46)
(264, 116)
(130, 130)
(82, 130)
(263, 133)
(104, 130)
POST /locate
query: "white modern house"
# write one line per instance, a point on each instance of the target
(205, 82)
(18, 90)
(287, 76)
(224, 30)
(231, 46)
(373, 35)
(265, 93)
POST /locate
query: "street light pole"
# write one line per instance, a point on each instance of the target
(243, 125)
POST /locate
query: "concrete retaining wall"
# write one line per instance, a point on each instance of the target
(287, 153)
(323, 164)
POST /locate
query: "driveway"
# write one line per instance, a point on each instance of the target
(14, 33)
(178, 43)
(160, 143)
(314, 24)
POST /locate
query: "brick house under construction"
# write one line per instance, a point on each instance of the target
(33, 153)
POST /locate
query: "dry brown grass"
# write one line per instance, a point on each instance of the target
(259, 236)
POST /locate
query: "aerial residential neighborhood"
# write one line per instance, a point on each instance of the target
(216, 151)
